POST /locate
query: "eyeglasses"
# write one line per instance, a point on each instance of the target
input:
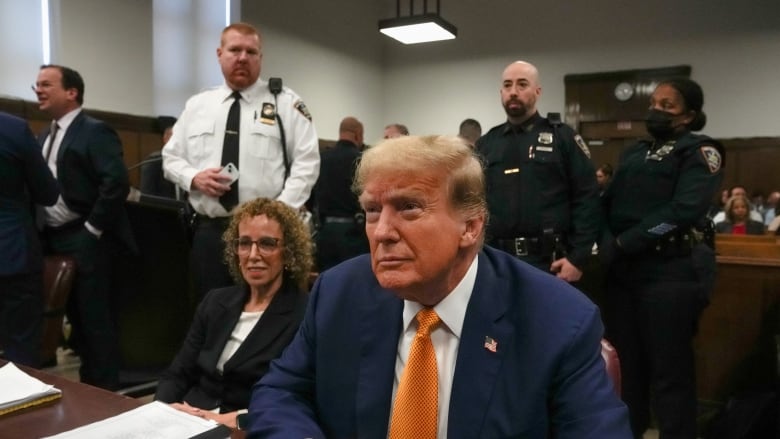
(265, 245)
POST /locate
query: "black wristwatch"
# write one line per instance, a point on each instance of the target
(242, 421)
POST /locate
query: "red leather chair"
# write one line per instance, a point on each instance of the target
(58, 274)
(610, 356)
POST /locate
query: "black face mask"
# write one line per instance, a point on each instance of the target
(659, 124)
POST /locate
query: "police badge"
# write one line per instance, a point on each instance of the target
(268, 113)
(545, 138)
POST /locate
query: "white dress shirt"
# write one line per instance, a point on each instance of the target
(445, 338)
(198, 135)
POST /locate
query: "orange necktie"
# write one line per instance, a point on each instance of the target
(416, 409)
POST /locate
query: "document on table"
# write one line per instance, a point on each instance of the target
(19, 390)
(155, 420)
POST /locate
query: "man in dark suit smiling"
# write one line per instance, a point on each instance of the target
(89, 219)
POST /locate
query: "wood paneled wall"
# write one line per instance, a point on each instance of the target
(139, 134)
(609, 125)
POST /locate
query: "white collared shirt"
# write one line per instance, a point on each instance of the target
(445, 338)
(198, 136)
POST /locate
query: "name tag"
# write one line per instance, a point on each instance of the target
(544, 148)
(511, 171)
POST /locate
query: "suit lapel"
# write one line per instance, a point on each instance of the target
(273, 322)
(379, 329)
(477, 367)
(70, 134)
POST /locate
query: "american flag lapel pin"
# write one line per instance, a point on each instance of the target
(491, 344)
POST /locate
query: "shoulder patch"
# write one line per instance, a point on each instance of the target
(712, 157)
(301, 107)
(583, 146)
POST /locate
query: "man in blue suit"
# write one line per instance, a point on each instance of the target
(24, 180)
(89, 220)
(517, 351)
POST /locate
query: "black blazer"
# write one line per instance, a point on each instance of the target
(24, 179)
(752, 227)
(93, 176)
(193, 376)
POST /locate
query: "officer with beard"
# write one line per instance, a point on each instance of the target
(659, 267)
(541, 186)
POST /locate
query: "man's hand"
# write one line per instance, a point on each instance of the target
(565, 270)
(211, 183)
(228, 419)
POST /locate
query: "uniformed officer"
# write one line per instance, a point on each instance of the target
(659, 270)
(342, 233)
(541, 185)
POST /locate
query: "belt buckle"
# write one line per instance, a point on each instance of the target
(521, 247)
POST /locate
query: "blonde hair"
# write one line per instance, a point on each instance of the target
(420, 155)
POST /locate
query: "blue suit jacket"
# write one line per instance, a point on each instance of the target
(546, 378)
(24, 180)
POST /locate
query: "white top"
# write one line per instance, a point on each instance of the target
(198, 135)
(445, 339)
(243, 327)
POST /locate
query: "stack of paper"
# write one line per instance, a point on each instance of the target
(151, 421)
(19, 390)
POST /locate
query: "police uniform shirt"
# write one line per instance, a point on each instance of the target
(333, 192)
(196, 144)
(662, 188)
(540, 177)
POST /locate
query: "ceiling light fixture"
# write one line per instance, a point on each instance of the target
(422, 28)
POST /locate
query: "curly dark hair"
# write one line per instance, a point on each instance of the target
(297, 255)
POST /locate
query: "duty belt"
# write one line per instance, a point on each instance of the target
(521, 245)
(338, 220)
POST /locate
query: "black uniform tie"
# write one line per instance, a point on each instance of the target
(230, 150)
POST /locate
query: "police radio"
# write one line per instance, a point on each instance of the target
(275, 87)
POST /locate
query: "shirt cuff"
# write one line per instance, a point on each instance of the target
(93, 230)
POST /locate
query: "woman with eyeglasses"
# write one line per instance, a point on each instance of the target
(238, 330)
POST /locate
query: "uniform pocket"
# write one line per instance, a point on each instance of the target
(199, 135)
(265, 142)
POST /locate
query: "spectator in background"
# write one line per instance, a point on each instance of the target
(152, 180)
(24, 180)
(738, 221)
(736, 190)
(770, 206)
(395, 130)
(342, 232)
(470, 130)
(603, 176)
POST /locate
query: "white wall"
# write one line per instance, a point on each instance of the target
(20, 57)
(739, 75)
(332, 55)
(110, 43)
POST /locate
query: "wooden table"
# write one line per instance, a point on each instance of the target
(81, 404)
